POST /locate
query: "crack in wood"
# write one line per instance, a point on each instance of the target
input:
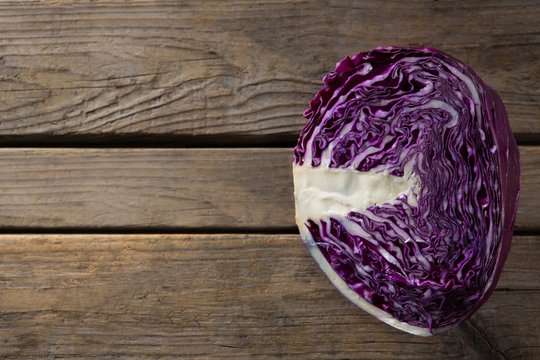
(475, 338)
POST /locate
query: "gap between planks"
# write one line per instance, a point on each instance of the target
(172, 141)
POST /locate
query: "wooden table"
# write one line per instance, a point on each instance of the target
(146, 193)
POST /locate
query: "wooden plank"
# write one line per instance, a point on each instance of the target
(225, 296)
(146, 188)
(528, 216)
(231, 71)
(171, 188)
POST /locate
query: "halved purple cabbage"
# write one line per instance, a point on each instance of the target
(429, 258)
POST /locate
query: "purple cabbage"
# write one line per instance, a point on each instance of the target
(426, 264)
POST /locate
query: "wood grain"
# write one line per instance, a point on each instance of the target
(225, 296)
(171, 188)
(231, 72)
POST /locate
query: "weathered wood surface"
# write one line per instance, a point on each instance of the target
(206, 73)
(231, 70)
(171, 188)
(226, 296)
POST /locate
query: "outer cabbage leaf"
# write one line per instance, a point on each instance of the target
(406, 186)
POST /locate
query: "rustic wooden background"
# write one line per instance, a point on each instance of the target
(145, 187)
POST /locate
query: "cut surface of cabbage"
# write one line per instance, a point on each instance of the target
(406, 180)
